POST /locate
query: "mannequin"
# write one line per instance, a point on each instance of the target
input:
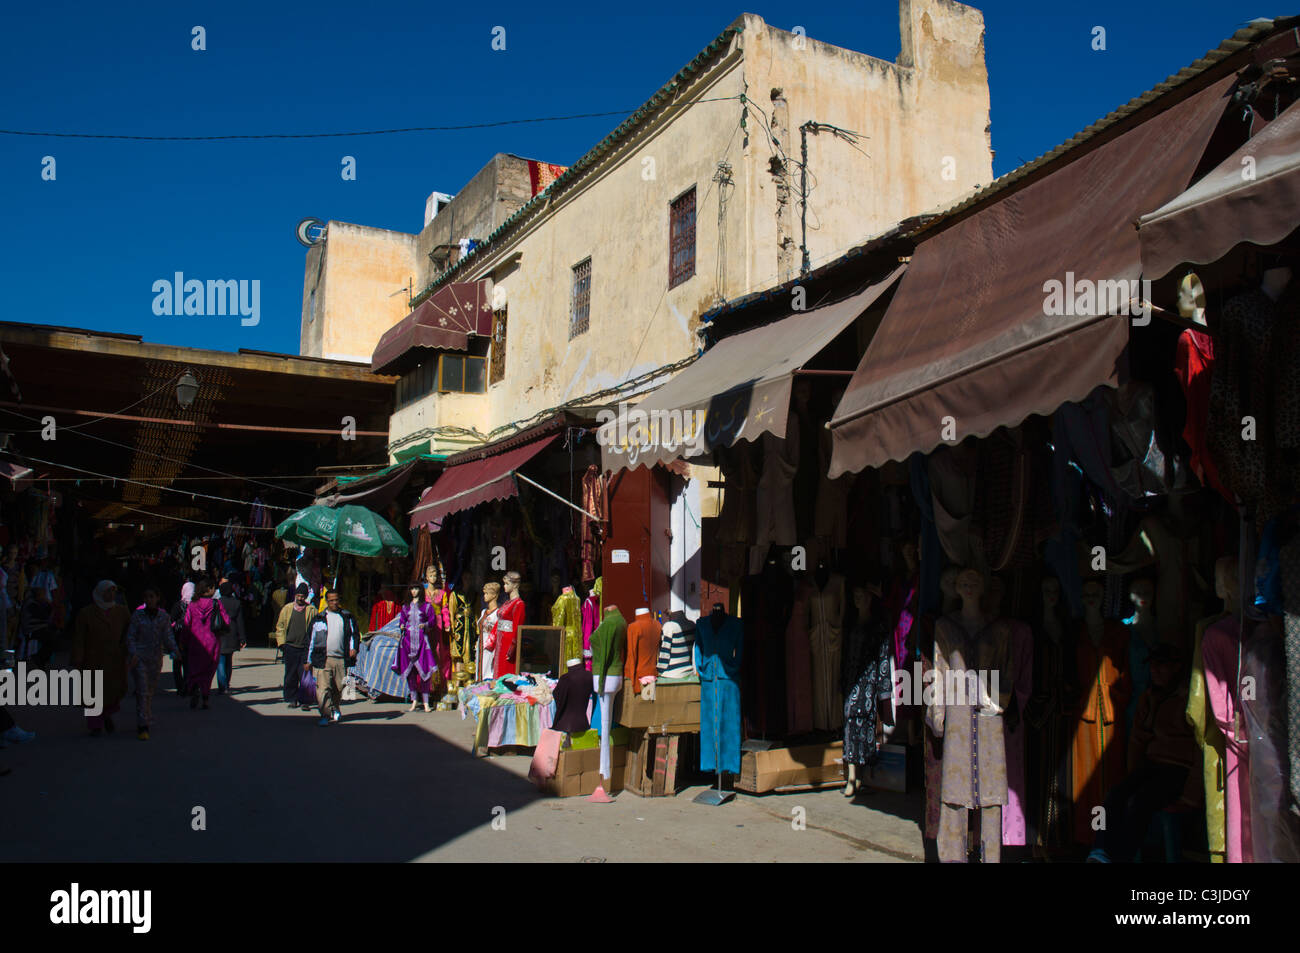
(572, 698)
(1142, 640)
(719, 639)
(1169, 541)
(643, 637)
(1194, 368)
(825, 637)
(590, 619)
(510, 616)
(567, 614)
(677, 647)
(440, 613)
(415, 659)
(869, 698)
(608, 651)
(487, 622)
(974, 756)
(1047, 723)
(1098, 756)
(1221, 654)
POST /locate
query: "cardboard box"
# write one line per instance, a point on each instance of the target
(676, 708)
(805, 766)
(577, 771)
(660, 765)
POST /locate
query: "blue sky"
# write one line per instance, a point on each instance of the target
(84, 250)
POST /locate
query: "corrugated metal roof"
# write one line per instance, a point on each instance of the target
(600, 150)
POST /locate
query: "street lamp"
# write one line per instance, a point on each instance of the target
(187, 388)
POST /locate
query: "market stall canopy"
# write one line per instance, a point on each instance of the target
(348, 529)
(739, 389)
(974, 334)
(374, 490)
(443, 321)
(1252, 196)
(477, 481)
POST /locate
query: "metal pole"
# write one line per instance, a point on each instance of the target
(805, 265)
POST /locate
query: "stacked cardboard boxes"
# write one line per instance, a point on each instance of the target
(577, 771)
(676, 708)
(805, 766)
(660, 765)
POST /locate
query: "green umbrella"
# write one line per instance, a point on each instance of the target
(348, 529)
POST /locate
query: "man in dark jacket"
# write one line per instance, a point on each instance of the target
(332, 645)
(232, 638)
(291, 630)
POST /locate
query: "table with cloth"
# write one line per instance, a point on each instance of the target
(373, 670)
(504, 717)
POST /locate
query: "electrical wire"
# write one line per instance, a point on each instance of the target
(95, 420)
(182, 519)
(335, 135)
(153, 486)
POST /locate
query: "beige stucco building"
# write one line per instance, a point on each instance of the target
(601, 279)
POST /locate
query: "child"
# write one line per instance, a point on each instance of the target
(147, 636)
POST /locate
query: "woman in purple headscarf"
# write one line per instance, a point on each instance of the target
(204, 648)
(415, 659)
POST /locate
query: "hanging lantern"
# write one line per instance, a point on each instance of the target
(187, 388)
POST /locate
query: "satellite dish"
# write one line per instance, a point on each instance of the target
(310, 231)
(499, 297)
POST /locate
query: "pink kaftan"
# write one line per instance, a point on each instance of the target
(1219, 649)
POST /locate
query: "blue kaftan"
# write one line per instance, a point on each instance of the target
(717, 659)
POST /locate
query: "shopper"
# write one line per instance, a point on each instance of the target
(1164, 763)
(291, 629)
(148, 636)
(333, 644)
(35, 632)
(204, 646)
(10, 733)
(99, 645)
(181, 635)
(233, 638)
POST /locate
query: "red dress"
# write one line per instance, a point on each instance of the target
(509, 618)
(382, 614)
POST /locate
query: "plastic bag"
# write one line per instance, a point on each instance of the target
(307, 689)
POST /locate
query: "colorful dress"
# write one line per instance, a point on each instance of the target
(1098, 760)
(415, 658)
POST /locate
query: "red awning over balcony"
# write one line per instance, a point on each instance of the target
(443, 322)
(477, 481)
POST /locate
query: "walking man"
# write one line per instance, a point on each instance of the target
(291, 629)
(331, 648)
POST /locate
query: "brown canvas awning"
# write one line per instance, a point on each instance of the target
(1252, 196)
(443, 321)
(469, 484)
(740, 386)
(971, 334)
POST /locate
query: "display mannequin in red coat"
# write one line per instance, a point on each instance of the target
(510, 616)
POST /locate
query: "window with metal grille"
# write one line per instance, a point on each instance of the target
(580, 306)
(681, 238)
(416, 384)
(497, 363)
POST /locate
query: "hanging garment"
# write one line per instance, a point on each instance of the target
(383, 612)
(930, 599)
(830, 513)
(1014, 813)
(460, 641)
(1143, 466)
(676, 648)
(566, 613)
(590, 619)
(718, 648)
(775, 497)
(1049, 745)
(1098, 760)
(825, 638)
(901, 606)
(1289, 563)
(1221, 651)
(1194, 368)
(869, 688)
(798, 664)
(953, 472)
(1274, 829)
(1205, 729)
(415, 657)
(1174, 547)
(595, 501)
(643, 638)
(1238, 389)
(973, 764)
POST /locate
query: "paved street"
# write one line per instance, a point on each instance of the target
(382, 786)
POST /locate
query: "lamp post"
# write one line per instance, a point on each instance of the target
(187, 388)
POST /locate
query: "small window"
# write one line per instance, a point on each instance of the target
(681, 238)
(497, 368)
(416, 384)
(580, 308)
(462, 374)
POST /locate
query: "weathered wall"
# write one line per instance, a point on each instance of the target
(355, 299)
(912, 115)
(469, 411)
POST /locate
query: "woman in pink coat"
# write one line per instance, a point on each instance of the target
(203, 647)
